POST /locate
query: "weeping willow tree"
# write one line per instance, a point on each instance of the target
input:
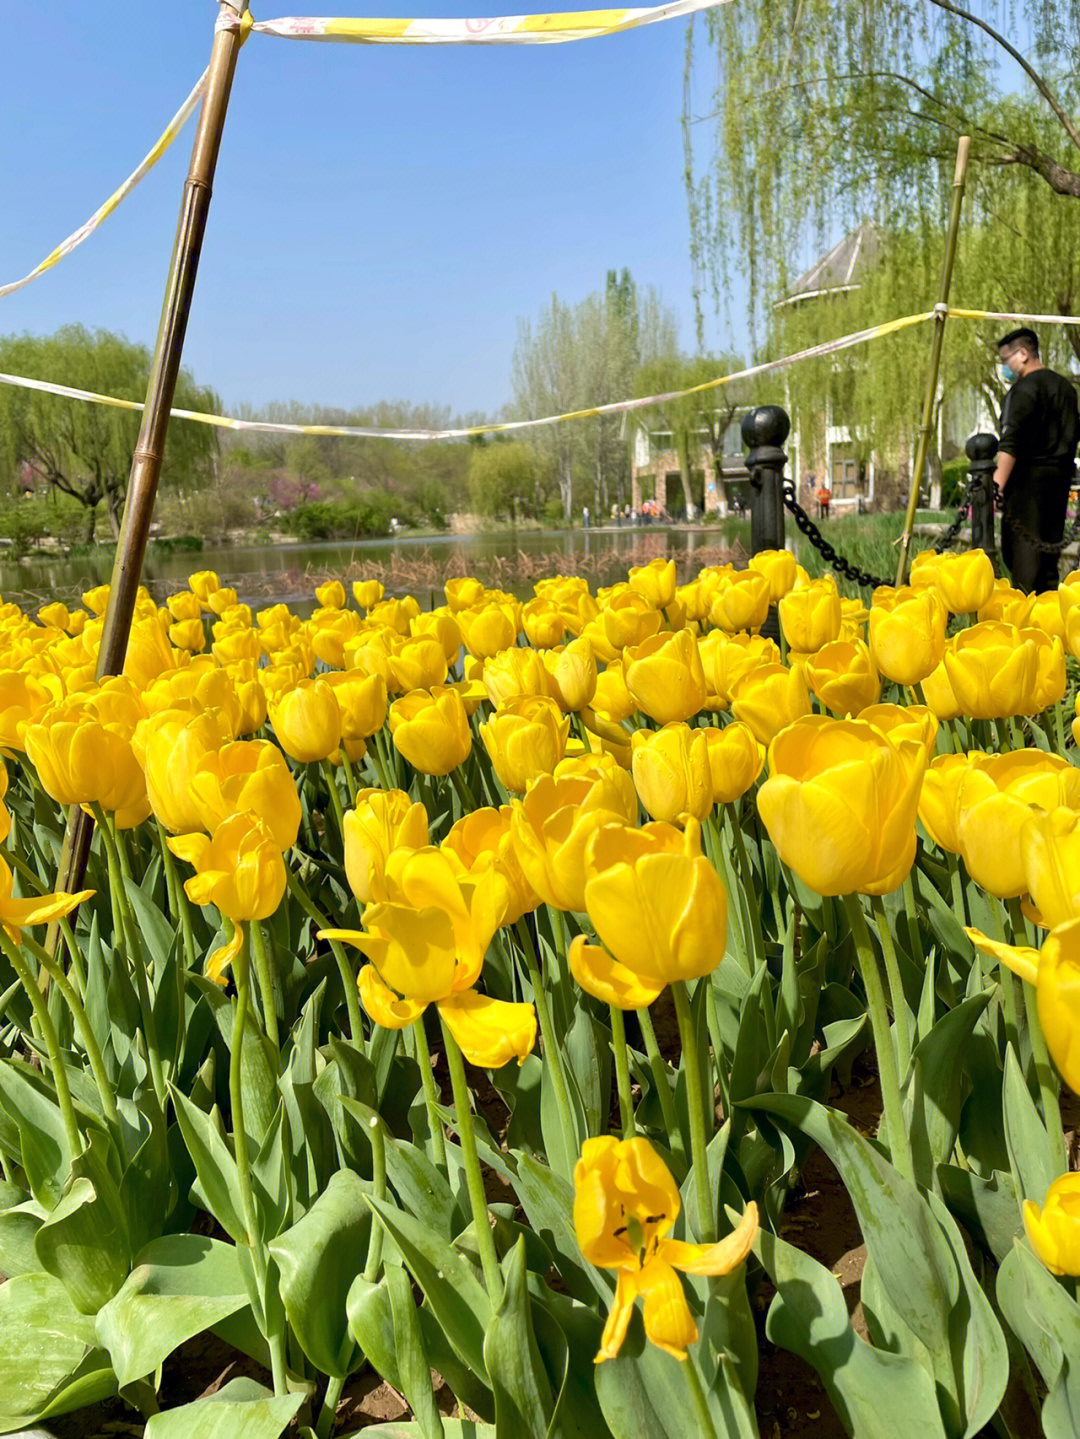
(805, 118)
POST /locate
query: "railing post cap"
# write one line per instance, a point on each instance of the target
(981, 447)
(767, 425)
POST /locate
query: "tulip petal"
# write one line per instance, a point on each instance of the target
(606, 979)
(668, 1321)
(618, 1320)
(1020, 958)
(719, 1258)
(490, 1032)
(222, 957)
(16, 914)
(382, 1004)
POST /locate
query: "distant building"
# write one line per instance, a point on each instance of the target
(718, 486)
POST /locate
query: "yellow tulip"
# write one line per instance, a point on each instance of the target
(779, 568)
(247, 777)
(840, 804)
(24, 698)
(488, 629)
(250, 696)
(939, 695)
(726, 658)
(184, 606)
(431, 729)
(904, 722)
(484, 833)
(306, 720)
(367, 593)
(149, 653)
(1053, 1229)
(665, 676)
(463, 594)
(768, 698)
(330, 632)
(416, 663)
(965, 582)
(993, 803)
(543, 624)
(5, 816)
(331, 595)
(170, 746)
(551, 826)
(1050, 854)
(612, 697)
(380, 822)
(398, 614)
(629, 619)
(240, 871)
(907, 634)
(1046, 615)
(221, 600)
(811, 616)
(362, 701)
(741, 602)
(188, 635)
(735, 760)
(993, 670)
(843, 677)
(442, 626)
(80, 760)
(525, 738)
(514, 673)
(656, 581)
(572, 674)
(1050, 680)
(1012, 607)
(97, 599)
(203, 583)
(625, 1204)
(937, 800)
(671, 772)
(198, 687)
(658, 906)
(19, 914)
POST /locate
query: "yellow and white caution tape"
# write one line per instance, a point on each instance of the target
(494, 30)
(168, 135)
(363, 432)
(1012, 315)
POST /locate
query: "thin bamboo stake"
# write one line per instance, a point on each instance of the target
(150, 448)
(940, 316)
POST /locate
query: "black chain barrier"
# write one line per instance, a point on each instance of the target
(807, 527)
(945, 539)
(1046, 547)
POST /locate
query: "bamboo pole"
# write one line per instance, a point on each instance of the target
(150, 447)
(941, 315)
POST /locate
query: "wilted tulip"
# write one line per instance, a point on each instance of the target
(840, 804)
(525, 738)
(249, 776)
(431, 729)
(1053, 1230)
(907, 634)
(811, 616)
(665, 676)
(625, 1203)
(735, 760)
(306, 720)
(671, 772)
(768, 698)
(843, 677)
(380, 822)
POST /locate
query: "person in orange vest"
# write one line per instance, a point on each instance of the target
(824, 495)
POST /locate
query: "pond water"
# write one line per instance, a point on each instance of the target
(264, 573)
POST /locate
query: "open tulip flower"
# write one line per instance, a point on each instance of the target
(995, 799)
(625, 1205)
(665, 676)
(964, 582)
(431, 729)
(553, 823)
(525, 738)
(247, 776)
(381, 822)
(1053, 1228)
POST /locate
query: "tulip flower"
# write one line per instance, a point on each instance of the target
(572, 674)
(362, 701)
(5, 817)
(440, 625)
(937, 799)
(198, 687)
(81, 760)
(907, 634)
(525, 738)
(488, 629)
(741, 602)
(1050, 680)
(514, 673)
(840, 804)
(431, 729)
(19, 914)
(612, 697)
(553, 823)
(735, 760)
(768, 698)
(658, 906)
(463, 594)
(1012, 607)
(330, 631)
(367, 593)
(665, 676)
(1053, 1229)
(964, 582)
(843, 677)
(24, 698)
(671, 772)
(900, 722)
(240, 871)
(307, 721)
(994, 801)
(331, 595)
(485, 833)
(939, 695)
(625, 1204)
(780, 569)
(656, 581)
(726, 658)
(247, 777)
(397, 614)
(170, 747)
(993, 670)
(629, 619)
(203, 583)
(811, 616)
(543, 624)
(426, 945)
(1050, 855)
(381, 821)
(1046, 615)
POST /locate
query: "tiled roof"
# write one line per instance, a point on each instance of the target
(839, 270)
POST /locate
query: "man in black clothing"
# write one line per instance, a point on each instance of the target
(1036, 461)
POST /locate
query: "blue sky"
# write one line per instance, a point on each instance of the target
(382, 216)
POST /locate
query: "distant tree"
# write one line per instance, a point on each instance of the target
(84, 450)
(504, 479)
(694, 421)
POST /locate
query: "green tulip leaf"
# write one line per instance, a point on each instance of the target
(988, 1208)
(43, 1145)
(1046, 1320)
(385, 1324)
(241, 1410)
(422, 1189)
(1035, 1161)
(47, 1355)
(548, 1202)
(181, 1285)
(318, 1258)
(937, 1085)
(217, 1189)
(523, 1399)
(18, 1226)
(452, 1428)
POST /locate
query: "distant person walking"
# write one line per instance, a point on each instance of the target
(824, 497)
(1040, 427)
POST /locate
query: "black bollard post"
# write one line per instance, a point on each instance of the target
(981, 450)
(764, 431)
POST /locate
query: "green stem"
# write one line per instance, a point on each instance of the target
(377, 1137)
(350, 776)
(901, 1013)
(1049, 1087)
(911, 915)
(335, 797)
(703, 1425)
(431, 1097)
(177, 897)
(331, 1399)
(622, 1071)
(485, 1240)
(712, 1017)
(746, 885)
(1059, 729)
(695, 1103)
(895, 1128)
(553, 1058)
(74, 955)
(658, 1069)
(345, 969)
(82, 1026)
(267, 989)
(25, 976)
